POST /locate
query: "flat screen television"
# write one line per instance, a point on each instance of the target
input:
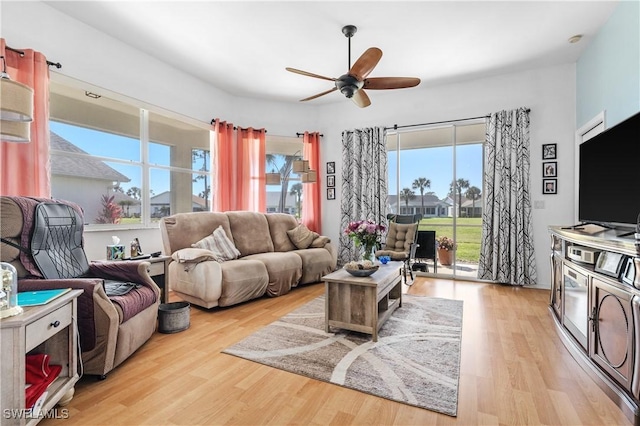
(609, 176)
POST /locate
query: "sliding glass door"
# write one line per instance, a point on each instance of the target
(436, 171)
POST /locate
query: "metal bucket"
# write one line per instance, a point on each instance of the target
(173, 317)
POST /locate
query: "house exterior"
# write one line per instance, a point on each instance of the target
(161, 204)
(81, 178)
(433, 206)
(273, 199)
(471, 208)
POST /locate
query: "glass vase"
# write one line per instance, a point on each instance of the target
(8, 291)
(369, 252)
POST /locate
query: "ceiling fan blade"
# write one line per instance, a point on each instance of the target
(308, 74)
(361, 99)
(381, 83)
(318, 95)
(366, 63)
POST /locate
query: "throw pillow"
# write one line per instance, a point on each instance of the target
(320, 241)
(221, 246)
(301, 236)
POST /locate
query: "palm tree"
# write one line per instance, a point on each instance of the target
(456, 188)
(126, 204)
(421, 184)
(285, 171)
(407, 194)
(296, 190)
(473, 193)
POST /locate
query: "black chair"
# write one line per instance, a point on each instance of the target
(426, 250)
(404, 218)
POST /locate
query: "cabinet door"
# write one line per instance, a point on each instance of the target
(612, 329)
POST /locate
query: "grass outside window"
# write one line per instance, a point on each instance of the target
(468, 236)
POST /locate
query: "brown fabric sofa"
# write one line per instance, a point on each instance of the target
(269, 262)
(111, 329)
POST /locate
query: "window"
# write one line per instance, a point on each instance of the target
(287, 197)
(437, 171)
(126, 165)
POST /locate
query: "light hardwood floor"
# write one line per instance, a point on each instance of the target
(514, 371)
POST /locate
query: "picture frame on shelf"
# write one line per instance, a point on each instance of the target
(331, 181)
(549, 151)
(549, 186)
(331, 167)
(331, 193)
(550, 169)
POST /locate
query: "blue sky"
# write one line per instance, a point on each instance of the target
(435, 164)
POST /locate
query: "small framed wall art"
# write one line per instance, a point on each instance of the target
(549, 186)
(549, 151)
(331, 181)
(331, 167)
(331, 193)
(550, 169)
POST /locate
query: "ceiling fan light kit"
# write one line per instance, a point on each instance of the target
(353, 83)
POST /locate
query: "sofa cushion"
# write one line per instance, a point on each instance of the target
(320, 241)
(279, 224)
(219, 244)
(284, 270)
(243, 280)
(400, 236)
(134, 302)
(250, 232)
(301, 236)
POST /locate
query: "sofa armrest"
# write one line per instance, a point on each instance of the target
(128, 271)
(333, 250)
(92, 296)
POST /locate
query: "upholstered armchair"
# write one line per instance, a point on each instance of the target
(111, 328)
(401, 245)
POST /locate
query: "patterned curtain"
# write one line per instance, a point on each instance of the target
(364, 183)
(506, 254)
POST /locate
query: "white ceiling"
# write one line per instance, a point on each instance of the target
(243, 47)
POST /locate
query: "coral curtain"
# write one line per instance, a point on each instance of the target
(224, 191)
(506, 253)
(24, 167)
(251, 180)
(364, 183)
(311, 213)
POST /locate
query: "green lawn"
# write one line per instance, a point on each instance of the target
(468, 236)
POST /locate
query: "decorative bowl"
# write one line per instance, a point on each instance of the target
(362, 272)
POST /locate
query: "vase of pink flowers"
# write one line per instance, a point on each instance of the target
(366, 235)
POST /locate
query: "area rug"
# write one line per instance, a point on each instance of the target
(416, 359)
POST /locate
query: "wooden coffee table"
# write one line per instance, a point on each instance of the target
(362, 304)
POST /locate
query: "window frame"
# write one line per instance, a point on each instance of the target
(144, 112)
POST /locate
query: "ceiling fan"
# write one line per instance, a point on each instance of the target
(353, 83)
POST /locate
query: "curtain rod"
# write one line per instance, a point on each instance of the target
(21, 53)
(302, 134)
(213, 121)
(396, 127)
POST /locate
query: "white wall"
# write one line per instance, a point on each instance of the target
(91, 56)
(549, 92)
